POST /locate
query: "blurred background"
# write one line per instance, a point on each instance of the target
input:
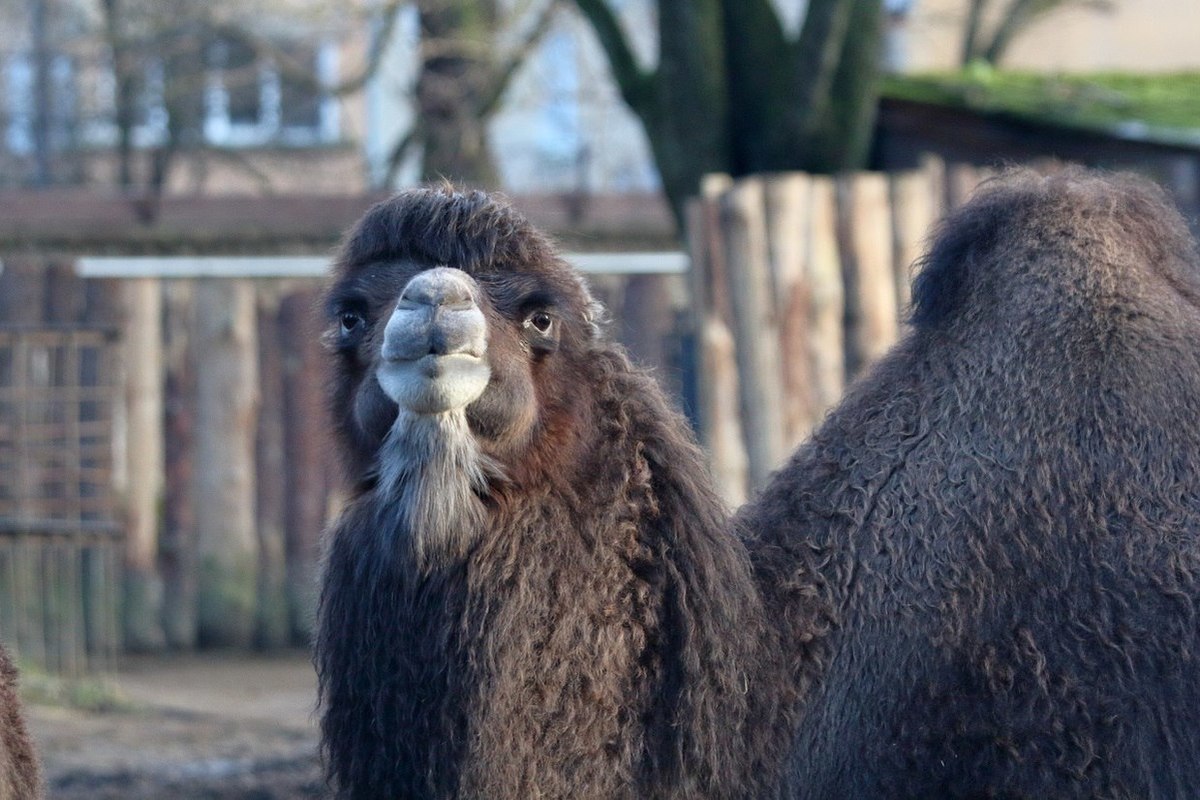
(746, 184)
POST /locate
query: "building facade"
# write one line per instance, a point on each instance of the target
(211, 109)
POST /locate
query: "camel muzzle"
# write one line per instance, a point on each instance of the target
(433, 357)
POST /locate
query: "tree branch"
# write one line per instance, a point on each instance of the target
(818, 55)
(399, 152)
(494, 92)
(635, 83)
(758, 54)
(1020, 14)
(302, 74)
(971, 32)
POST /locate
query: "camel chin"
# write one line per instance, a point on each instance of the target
(434, 384)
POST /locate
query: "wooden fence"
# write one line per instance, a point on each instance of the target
(220, 476)
(798, 282)
(60, 548)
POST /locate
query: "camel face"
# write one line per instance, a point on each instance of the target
(431, 341)
(433, 358)
(440, 328)
(459, 365)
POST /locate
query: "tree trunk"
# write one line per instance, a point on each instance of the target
(687, 122)
(271, 479)
(755, 327)
(455, 73)
(719, 409)
(972, 31)
(142, 343)
(224, 489)
(177, 554)
(307, 454)
(124, 65)
(855, 92)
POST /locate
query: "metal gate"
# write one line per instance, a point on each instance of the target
(59, 538)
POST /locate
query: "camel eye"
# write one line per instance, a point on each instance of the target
(350, 322)
(540, 320)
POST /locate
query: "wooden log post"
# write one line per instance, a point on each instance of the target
(224, 489)
(914, 208)
(935, 167)
(755, 327)
(22, 301)
(177, 551)
(718, 406)
(646, 323)
(823, 271)
(789, 219)
(273, 630)
(867, 272)
(307, 453)
(961, 182)
(143, 469)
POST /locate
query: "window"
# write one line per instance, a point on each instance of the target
(253, 101)
(20, 105)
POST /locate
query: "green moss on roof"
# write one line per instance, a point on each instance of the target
(1164, 106)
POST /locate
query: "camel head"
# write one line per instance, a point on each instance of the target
(460, 342)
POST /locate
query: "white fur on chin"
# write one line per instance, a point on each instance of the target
(431, 466)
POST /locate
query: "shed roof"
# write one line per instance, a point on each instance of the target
(983, 115)
(90, 222)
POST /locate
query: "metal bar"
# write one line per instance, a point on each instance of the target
(607, 263)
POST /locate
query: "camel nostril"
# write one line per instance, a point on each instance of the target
(436, 315)
(441, 287)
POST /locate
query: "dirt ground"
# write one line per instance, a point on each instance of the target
(198, 727)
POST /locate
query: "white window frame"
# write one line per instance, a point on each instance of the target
(221, 131)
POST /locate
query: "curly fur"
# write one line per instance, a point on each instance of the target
(601, 636)
(20, 770)
(991, 549)
(978, 579)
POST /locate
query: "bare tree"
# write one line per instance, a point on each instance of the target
(989, 42)
(465, 67)
(732, 92)
(177, 37)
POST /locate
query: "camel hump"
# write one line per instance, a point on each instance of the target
(1095, 251)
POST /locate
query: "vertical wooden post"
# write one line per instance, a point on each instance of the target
(961, 180)
(827, 338)
(755, 326)
(226, 412)
(789, 217)
(645, 323)
(271, 476)
(142, 351)
(935, 167)
(867, 271)
(913, 212)
(717, 401)
(1184, 172)
(177, 550)
(308, 452)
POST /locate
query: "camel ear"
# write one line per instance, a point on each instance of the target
(595, 316)
(331, 340)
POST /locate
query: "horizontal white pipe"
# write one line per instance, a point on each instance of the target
(612, 263)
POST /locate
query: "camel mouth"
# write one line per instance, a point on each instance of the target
(433, 356)
(434, 383)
